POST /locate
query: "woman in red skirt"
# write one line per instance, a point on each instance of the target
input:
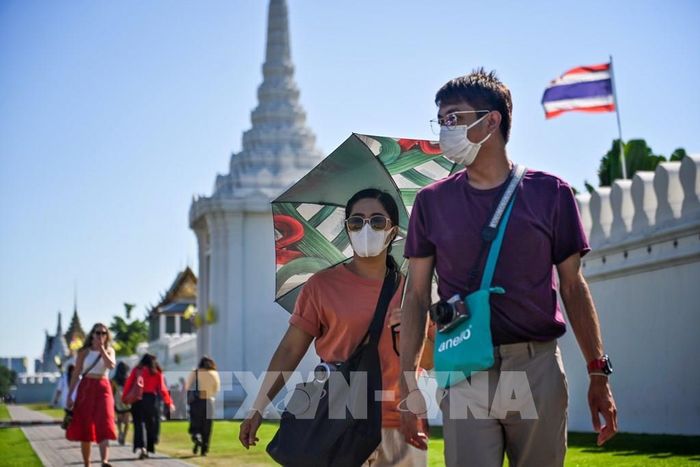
(93, 407)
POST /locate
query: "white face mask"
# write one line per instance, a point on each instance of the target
(456, 146)
(369, 242)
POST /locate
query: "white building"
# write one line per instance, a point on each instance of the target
(234, 225)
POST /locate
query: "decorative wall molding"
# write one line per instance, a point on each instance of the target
(649, 222)
(647, 205)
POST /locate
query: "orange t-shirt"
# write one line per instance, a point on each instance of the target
(336, 306)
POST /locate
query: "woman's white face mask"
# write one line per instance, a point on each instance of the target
(455, 144)
(368, 242)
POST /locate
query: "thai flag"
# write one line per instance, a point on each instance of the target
(586, 89)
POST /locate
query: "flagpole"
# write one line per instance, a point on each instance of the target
(619, 127)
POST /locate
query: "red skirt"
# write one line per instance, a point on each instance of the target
(93, 412)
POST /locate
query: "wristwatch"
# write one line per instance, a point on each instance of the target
(600, 366)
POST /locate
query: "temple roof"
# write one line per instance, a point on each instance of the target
(182, 291)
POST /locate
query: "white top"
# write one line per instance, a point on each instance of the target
(99, 369)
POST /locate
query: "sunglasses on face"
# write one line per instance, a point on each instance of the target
(356, 223)
(101, 333)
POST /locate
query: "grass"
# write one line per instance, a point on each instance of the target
(15, 448)
(4, 414)
(624, 450)
(47, 409)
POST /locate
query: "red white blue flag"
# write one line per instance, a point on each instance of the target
(584, 89)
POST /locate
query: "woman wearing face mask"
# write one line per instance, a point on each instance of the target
(334, 310)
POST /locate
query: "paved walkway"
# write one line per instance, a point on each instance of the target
(50, 444)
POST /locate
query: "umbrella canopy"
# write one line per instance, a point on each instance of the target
(309, 217)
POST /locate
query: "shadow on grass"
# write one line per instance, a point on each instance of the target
(652, 446)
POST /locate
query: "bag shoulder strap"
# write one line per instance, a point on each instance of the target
(389, 286)
(92, 365)
(375, 328)
(499, 221)
(196, 379)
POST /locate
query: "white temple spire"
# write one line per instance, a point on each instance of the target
(279, 148)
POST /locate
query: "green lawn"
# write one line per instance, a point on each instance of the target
(15, 448)
(623, 450)
(4, 414)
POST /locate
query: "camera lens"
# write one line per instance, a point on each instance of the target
(442, 313)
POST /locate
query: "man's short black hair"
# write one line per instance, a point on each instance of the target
(483, 91)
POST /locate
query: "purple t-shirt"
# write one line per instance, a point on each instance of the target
(544, 229)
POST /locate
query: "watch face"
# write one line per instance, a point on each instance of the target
(607, 365)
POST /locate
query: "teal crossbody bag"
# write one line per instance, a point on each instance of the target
(468, 347)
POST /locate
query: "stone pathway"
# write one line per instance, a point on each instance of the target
(50, 444)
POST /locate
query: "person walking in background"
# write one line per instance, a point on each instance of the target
(93, 408)
(146, 412)
(122, 410)
(61, 396)
(202, 385)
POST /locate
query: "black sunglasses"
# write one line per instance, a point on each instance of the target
(101, 333)
(355, 223)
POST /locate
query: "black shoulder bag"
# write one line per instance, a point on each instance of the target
(193, 396)
(336, 421)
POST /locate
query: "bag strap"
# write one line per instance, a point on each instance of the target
(91, 366)
(196, 379)
(375, 328)
(388, 290)
(498, 224)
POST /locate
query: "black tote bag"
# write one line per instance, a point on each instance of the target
(341, 429)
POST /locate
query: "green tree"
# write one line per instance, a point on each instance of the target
(7, 379)
(638, 156)
(128, 333)
(677, 155)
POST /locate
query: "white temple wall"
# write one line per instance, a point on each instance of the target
(649, 322)
(644, 275)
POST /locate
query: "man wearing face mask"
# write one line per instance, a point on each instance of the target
(544, 232)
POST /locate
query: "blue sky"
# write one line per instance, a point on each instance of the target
(113, 114)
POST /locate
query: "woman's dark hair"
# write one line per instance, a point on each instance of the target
(483, 91)
(207, 363)
(389, 204)
(120, 373)
(149, 361)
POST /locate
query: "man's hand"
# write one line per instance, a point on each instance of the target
(249, 429)
(601, 402)
(413, 425)
(69, 403)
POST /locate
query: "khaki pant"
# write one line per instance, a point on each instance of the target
(395, 451)
(518, 407)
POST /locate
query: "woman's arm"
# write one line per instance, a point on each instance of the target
(217, 382)
(286, 358)
(189, 381)
(165, 394)
(107, 354)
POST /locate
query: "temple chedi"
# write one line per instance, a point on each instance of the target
(234, 227)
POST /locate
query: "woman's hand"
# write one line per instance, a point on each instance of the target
(69, 403)
(249, 428)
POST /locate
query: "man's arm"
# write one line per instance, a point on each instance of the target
(413, 331)
(584, 322)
